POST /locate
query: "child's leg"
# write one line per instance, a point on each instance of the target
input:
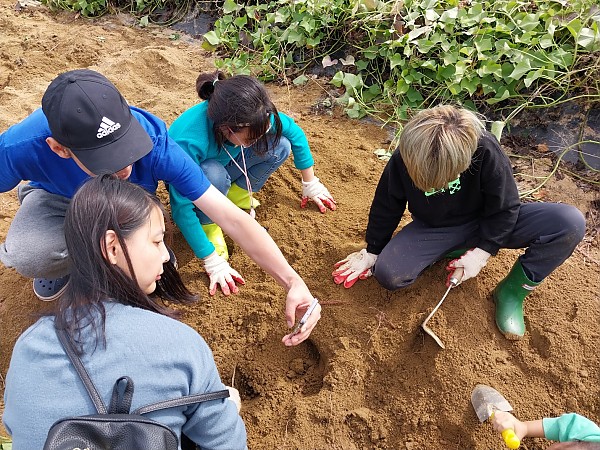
(35, 244)
(417, 246)
(219, 178)
(550, 231)
(259, 167)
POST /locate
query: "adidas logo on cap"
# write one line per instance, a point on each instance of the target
(107, 127)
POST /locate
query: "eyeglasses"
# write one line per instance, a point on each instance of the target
(254, 141)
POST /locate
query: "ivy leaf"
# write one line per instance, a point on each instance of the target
(483, 45)
(299, 81)
(240, 22)
(212, 38)
(449, 16)
(497, 128)
(383, 154)
(353, 81)
(450, 58)
(338, 79)
(229, 6)
(431, 15)
(532, 76)
(521, 69)
(312, 42)
(587, 37)
(418, 32)
(294, 37)
(402, 86)
(446, 72)
(361, 64)
(546, 41)
(396, 60)
(502, 94)
(529, 22)
(414, 96)
(470, 85)
(490, 68)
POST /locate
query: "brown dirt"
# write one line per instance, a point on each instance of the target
(367, 378)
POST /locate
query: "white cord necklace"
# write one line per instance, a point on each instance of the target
(245, 172)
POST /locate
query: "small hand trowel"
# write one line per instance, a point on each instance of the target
(452, 282)
(486, 400)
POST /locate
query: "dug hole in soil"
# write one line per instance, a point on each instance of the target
(367, 377)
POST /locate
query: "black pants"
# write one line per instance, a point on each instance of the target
(549, 232)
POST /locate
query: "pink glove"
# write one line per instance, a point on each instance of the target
(221, 274)
(356, 266)
(315, 191)
(472, 261)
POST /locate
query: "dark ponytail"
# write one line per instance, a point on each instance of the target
(205, 83)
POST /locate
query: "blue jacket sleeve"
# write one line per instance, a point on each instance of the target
(186, 219)
(571, 427)
(8, 177)
(302, 156)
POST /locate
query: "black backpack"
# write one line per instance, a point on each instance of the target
(116, 428)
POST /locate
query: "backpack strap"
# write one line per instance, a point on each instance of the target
(120, 403)
(85, 377)
(182, 401)
(128, 394)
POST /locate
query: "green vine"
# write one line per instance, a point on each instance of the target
(400, 56)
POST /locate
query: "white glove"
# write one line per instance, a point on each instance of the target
(234, 396)
(355, 266)
(221, 274)
(317, 192)
(472, 261)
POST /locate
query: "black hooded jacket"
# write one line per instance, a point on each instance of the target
(485, 191)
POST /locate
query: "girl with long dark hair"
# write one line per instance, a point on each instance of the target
(113, 312)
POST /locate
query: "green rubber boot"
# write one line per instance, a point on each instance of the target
(241, 197)
(454, 254)
(215, 235)
(509, 296)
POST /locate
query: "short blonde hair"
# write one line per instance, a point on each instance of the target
(437, 145)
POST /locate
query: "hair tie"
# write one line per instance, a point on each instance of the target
(215, 81)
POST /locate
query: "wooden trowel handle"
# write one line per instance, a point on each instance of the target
(510, 439)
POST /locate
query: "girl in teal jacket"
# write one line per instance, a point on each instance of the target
(239, 139)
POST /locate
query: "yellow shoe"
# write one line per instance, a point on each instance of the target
(241, 197)
(215, 235)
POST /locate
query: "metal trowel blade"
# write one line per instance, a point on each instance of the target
(486, 400)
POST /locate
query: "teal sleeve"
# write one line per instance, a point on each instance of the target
(302, 156)
(192, 130)
(186, 219)
(571, 427)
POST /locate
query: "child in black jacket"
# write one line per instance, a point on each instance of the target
(459, 188)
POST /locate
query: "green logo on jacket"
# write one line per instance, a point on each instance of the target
(453, 187)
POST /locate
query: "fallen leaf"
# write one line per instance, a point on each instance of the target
(543, 148)
(327, 61)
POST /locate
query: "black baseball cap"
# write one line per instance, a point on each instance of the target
(87, 114)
